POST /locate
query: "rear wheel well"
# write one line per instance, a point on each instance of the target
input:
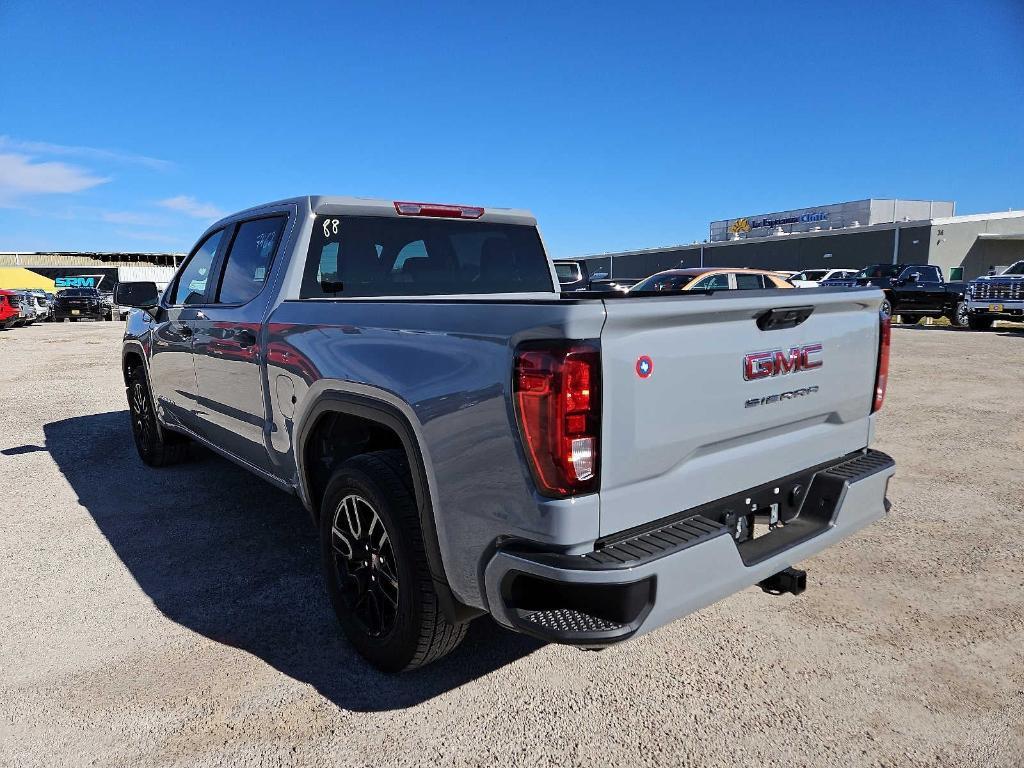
(335, 438)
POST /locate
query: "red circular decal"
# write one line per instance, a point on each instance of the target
(644, 366)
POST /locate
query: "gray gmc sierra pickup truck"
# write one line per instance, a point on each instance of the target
(584, 467)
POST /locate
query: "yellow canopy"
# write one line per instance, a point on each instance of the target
(19, 277)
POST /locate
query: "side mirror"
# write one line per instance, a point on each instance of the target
(138, 295)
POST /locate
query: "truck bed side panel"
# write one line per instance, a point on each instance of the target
(451, 362)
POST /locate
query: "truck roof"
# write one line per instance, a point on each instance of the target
(367, 206)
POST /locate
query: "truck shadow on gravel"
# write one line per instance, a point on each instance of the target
(236, 560)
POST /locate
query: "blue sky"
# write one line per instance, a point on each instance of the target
(130, 126)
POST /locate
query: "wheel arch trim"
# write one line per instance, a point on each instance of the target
(134, 348)
(396, 415)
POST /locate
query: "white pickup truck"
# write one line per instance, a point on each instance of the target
(583, 467)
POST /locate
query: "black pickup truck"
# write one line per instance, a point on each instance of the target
(81, 303)
(913, 291)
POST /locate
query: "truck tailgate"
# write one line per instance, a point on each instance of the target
(679, 428)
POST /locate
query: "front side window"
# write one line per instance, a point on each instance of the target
(248, 261)
(663, 283)
(713, 283)
(360, 256)
(191, 285)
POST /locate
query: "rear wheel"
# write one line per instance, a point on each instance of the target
(156, 447)
(979, 323)
(376, 568)
(886, 308)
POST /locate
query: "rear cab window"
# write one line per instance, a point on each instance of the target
(367, 256)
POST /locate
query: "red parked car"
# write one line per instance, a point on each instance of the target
(9, 301)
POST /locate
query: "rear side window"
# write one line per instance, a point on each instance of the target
(249, 259)
(191, 285)
(353, 256)
(748, 282)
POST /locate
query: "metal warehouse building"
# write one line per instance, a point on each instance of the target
(852, 234)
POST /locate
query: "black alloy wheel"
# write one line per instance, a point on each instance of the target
(375, 565)
(156, 447)
(364, 563)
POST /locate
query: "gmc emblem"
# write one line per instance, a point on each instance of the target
(775, 362)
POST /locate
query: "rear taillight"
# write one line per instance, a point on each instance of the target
(439, 210)
(557, 391)
(882, 372)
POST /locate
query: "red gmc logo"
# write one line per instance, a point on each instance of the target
(775, 362)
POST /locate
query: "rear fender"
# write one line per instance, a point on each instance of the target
(384, 409)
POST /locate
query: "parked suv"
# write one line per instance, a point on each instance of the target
(81, 303)
(996, 297)
(468, 440)
(27, 308)
(9, 315)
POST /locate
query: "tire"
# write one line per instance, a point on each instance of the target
(909, 319)
(960, 317)
(886, 307)
(380, 586)
(73, 319)
(156, 447)
(979, 323)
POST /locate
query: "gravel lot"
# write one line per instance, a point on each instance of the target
(177, 617)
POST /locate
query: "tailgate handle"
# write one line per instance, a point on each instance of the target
(783, 317)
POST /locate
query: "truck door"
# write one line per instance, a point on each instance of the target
(172, 373)
(229, 345)
(933, 289)
(909, 293)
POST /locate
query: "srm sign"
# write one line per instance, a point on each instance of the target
(78, 281)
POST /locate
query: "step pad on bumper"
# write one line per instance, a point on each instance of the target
(567, 620)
